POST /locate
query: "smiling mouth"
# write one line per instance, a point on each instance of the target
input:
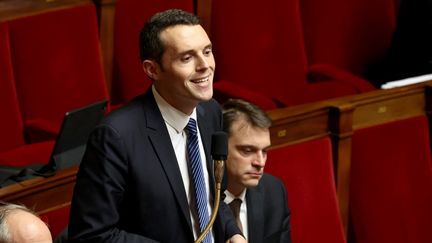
(201, 80)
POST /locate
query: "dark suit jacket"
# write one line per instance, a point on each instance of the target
(129, 187)
(268, 213)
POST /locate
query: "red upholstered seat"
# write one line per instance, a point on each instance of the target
(10, 123)
(260, 48)
(57, 66)
(391, 183)
(353, 35)
(307, 171)
(129, 80)
(13, 148)
(57, 219)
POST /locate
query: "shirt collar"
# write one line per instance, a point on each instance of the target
(175, 118)
(229, 197)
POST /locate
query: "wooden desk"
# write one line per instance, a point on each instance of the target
(42, 194)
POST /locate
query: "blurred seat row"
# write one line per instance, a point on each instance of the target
(277, 54)
(50, 64)
(357, 169)
(61, 55)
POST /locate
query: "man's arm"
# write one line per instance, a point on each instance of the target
(99, 190)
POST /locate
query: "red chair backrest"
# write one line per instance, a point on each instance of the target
(259, 46)
(11, 125)
(307, 171)
(391, 182)
(57, 62)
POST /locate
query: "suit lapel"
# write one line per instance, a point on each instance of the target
(206, 128)
(255, 212)
(158, 135)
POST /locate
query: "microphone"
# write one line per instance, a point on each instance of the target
(219, 151)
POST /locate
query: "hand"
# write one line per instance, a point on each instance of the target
(237, 239)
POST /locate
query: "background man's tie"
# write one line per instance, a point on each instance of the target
(235, 208)
(197, 177)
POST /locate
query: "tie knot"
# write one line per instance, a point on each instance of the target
(191, 127)
(235, 205)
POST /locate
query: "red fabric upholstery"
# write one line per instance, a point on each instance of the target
(27, 154)
(57, 220)
(57, 62)
(351, 35)
(13, 150)
(129, 80)
(307, 171)
(233, 90)
(11, 126)
(261, 48)
(391, 183)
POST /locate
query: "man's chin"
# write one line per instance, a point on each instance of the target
(205, 97)
(252, 183)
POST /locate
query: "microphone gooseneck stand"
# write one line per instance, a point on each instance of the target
(219, 151)
(219, 165)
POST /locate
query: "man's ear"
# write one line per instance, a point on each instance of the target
(151, 68)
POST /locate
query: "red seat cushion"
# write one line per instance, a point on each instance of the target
(391, 183)
(307, 171)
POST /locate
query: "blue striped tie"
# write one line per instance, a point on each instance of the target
(197, 177)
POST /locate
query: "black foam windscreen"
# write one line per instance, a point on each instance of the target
(219, 146)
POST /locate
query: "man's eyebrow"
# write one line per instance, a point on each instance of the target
(192, 51)
(252, 146)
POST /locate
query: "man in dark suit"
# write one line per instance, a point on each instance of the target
(258, 200)
(134, 183)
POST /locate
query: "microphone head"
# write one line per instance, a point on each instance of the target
(219, 146)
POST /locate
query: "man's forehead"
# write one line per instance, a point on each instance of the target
(182, 37)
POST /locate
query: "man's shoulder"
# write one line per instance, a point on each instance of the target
(270, 179)
(270, 184)
(128, 117)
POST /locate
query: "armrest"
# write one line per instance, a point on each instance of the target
(223, 90)
(319, 72)
(38, 130)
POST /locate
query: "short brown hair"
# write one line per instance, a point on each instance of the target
(235, 109)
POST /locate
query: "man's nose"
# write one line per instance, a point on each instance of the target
(203, 62)
(259, 160)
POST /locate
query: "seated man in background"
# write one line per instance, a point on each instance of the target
(258, 200)
(20, 224)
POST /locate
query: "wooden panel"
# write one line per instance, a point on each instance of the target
(387, 107)
(42, 194)
(13, 9)
(298, 124)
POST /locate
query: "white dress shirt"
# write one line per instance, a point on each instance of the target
(176, 121)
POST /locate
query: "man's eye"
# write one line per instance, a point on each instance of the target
(208, 51)
(246, 151)
(186, 58)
